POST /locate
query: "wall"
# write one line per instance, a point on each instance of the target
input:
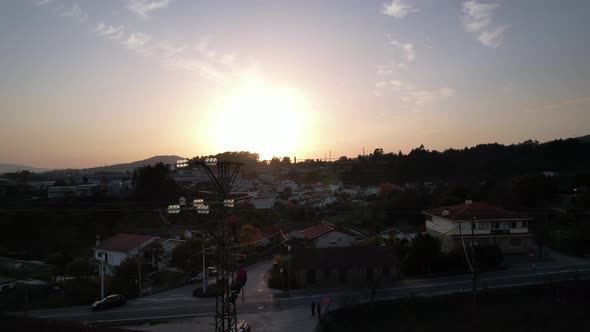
(355, 276)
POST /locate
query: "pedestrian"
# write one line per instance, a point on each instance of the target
(319, 310)
(312, 308)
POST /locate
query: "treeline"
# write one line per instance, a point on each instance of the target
(481, 161)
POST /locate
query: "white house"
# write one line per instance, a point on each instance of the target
(114, 250)
(491, 226)
(327, 236)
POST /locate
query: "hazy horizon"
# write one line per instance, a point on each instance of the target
(86, 84)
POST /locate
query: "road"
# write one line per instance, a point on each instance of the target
(179, 303)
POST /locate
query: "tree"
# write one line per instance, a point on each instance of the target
(423, 254)
(80, 269)
(188, 256)
(155, 184)
(126, 278)
(275, 161)
(248, 235)
(286, 161)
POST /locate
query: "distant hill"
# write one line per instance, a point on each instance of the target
(133, 165)
(585, 139)
(10, 168)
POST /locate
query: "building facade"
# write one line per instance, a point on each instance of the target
(491, 225)
(353, 266)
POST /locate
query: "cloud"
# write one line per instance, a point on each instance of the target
(75, 13)
(142, 8)
(478, 19)
(411, 95)
(136, 41)
(405, 52)
(564, 105)
(492, 38)
(407, 49)
(398, 9)
(43, 2)
(109, 31)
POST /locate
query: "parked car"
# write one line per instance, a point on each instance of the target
(110, 301)
(197, 278)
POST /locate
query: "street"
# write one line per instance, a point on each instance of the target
(178, 303)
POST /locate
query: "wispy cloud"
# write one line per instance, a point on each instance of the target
(478, 19)
(199, 58)
(564, 105)
(75, 13)
(109, 31)
(404, 53)
(411, 95)
(398, 9)
(137, 40)
(407, 49)
(143, 8)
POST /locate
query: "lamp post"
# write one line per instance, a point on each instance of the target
(101, 267)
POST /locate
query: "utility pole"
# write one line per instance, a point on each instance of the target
(225, 306)
(473, 264)
(204, 274)
(139, 269)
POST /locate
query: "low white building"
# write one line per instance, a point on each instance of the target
(114, 250)
(491, 226)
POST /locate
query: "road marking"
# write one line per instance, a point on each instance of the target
(150, 318)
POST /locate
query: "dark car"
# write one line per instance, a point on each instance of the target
(110, 301)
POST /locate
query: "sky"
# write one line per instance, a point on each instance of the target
(89, 83)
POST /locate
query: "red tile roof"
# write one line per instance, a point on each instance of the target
(318, 230)
(480, 211)
(125, 242)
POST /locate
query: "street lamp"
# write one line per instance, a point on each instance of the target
(210, 162)
(182, 163)
(173, 209)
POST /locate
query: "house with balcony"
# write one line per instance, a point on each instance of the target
(492, 225)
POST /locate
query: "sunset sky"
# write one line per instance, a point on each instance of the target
(87, 83)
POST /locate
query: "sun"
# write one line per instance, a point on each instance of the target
(257, 117)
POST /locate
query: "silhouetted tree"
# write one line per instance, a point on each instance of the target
(155, 184)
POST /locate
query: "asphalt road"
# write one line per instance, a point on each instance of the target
(179, 303)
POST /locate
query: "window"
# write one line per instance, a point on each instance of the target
(524, 224)
(483, 225)
(513, 224)
(515, 242)
(496, 225)
(99, 254)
